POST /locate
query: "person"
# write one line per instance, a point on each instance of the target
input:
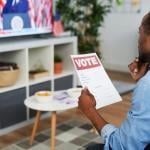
(134, 133)
(15, 6)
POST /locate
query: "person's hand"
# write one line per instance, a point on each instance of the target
(87, 104)
(86, 101)
(137, 69)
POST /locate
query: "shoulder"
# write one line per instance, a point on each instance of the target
(145, 80)
(146, 77)
(142, 88)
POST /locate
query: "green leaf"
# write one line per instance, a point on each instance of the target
(88, 32)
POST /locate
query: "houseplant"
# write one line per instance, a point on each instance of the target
(83, 18)
(57, 64)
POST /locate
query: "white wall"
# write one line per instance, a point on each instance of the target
(119, 38)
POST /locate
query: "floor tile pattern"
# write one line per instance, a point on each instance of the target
(70, 135)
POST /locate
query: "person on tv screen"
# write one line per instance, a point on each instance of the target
(16, 6)
(14, 15)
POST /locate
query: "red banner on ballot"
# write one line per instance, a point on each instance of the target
(86, 62)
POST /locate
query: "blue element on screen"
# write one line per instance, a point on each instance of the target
(7, 20)
(14, 6)
(57, 16)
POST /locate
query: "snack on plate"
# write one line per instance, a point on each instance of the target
(44, 96)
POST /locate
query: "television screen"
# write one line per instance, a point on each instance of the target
(25, 17)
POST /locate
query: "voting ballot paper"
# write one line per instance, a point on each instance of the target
(92, 75)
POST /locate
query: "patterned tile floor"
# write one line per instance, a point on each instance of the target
(71, 135)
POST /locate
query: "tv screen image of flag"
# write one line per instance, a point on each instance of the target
(23, 17)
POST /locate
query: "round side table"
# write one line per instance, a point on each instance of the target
(60, 102)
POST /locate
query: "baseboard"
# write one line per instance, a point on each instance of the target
(116, 67)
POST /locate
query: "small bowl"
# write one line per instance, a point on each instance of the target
(74, 92)
(44, 96)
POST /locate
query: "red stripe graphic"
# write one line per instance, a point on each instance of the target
(87, 62)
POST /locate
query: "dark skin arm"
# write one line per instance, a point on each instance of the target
(87, 105)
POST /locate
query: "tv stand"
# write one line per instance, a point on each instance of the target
(43, 36)
(26, 52)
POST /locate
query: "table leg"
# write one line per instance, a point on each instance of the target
(36, 123)
(53, 129)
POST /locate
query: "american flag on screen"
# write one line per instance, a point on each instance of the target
(43, 13)
(2, 3)
(31, 13)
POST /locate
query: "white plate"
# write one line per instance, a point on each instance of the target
(74, 92)
(45, 101)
